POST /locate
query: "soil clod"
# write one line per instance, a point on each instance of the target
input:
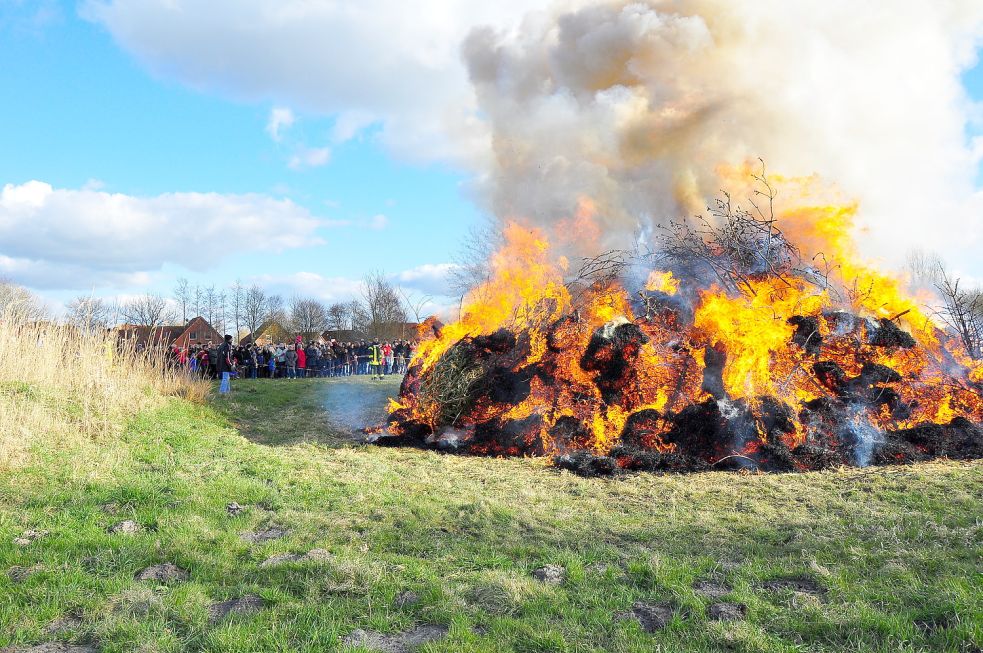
(404, 642)
(550, 574)
(652, 617)
(798, 584)
(126, 527)
(711, 589)
(265, 534)
(727, 612)
(164, 573)
(248, 604)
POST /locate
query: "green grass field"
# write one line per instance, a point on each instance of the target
(888, 559)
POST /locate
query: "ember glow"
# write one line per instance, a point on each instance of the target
(811, 358)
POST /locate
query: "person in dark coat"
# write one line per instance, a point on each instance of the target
(224, 365)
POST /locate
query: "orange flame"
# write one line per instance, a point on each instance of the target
(526, 295)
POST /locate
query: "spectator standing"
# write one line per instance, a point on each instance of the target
(290, 360)
(301, 361)
(375, 360)
(224, 365)
(387, 357)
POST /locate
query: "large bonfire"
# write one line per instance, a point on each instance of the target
(742, 339)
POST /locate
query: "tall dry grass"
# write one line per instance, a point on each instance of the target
(64, 387)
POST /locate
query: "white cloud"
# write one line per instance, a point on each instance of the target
(386, 62)
(306, 157)
(31, 17)
(310, 284)
(427, 279)
(63, 238)
(281, 119)
(378, 222)
(58, 275)
(430, 278)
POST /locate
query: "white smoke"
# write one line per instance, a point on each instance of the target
(635, 104)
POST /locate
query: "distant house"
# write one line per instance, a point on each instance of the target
(269, 332)
(196, 331)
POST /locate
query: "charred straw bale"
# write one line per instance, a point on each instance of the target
(519, 437)
(499, 342)
(611, 354)
(587, 464)
(872, 373)
(816, 458)
(612, 346)
(775, 456)
(641, 428)
(889, 397)
(868, 388)
(636, 459)
(714, 359)
(569, 433)
(505, 386)
(896, 451)
(648, 460)
(806, 334)
(889, 334)
(830, 374)
(959, 440)
(776, 417)
(704, 431)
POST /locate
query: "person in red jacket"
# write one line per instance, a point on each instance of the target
(301, 362)
(387, 357)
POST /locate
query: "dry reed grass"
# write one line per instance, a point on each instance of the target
(61, 386)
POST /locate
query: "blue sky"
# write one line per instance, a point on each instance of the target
(118, 111)
(79, 111)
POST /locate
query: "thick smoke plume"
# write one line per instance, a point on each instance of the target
(628, 110)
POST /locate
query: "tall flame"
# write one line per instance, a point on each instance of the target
(764, 338)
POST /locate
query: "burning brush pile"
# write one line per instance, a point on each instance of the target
(740, 340)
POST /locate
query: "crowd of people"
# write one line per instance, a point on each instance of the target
(296, 360)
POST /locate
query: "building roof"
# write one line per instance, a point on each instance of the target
(168, 334)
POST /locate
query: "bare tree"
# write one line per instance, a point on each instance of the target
(150, 310)
(209, 298)
(197, 301)
(221, 312)
(254, 309)
(471, 267)
(356, 318)
(19, 303)
(962, 312)
(382, 303)
(337, 316)
(183, 295)
(236, 303)
(416, 305)
(923, 268)
(308, 317)
(274, 309)
(89, 313)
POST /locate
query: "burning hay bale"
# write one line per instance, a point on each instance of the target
(740, 358)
